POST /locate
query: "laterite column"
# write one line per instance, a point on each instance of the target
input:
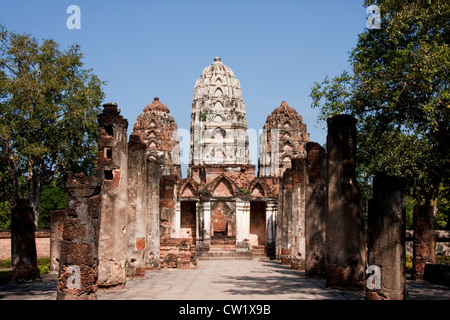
(344, 226)
(78, 266)
(315, 210)
(23, 244)
(386, 233)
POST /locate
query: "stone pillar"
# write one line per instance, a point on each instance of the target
(344, 226)
(386, 233)
(78, 267)
(56, 232)
(153, 215)
(424, 246)
(271, 214)
(297, 240)
(137, 208)
(242, 225)
(176, 227)
(203, 225)
(113, 166)
(315, 210)
(23, 242)
(284, 219)
(167, 201)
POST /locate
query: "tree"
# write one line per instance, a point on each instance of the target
(48, 111)
(399, 92)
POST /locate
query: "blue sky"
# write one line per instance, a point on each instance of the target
(149, 48)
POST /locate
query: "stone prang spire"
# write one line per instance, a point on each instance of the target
(283, 139)
(218, 122)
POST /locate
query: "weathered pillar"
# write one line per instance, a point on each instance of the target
(297, 222)
(315, 207)
(271, 214)
(152, 250)
(242, 225)
(78, 267)
(176, 227)
(344, 226)
(113, 166)
(137, 208)
(203, 225)
(23, 242)
(56, 232)
(386, 233)
(284, 219)
(424, 246)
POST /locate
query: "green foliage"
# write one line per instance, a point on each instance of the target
(48, 116)
(399, 93)
(5, 215)
(43, 265)
(409, 212)
(52, 198)
(443, 209)
(409, 263)
(203, 115)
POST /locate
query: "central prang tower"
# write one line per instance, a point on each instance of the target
(218, 122)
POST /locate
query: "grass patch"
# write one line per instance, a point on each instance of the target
(5, 264)
(43, 265)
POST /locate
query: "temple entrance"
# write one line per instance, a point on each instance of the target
(258, 230)
(223, 226)
(223, 219)
(188, 219)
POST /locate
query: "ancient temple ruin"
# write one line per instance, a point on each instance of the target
(138, 213)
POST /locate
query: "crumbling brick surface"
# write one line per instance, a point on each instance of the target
(177, 253)
(78, 270)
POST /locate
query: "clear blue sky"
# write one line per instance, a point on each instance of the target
(148, 48)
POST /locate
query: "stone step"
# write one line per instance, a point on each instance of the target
(258, 249)
(224, 255)
(229, 247)
(223, 240)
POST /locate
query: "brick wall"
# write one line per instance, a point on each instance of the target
(42, 244)
(442, 242)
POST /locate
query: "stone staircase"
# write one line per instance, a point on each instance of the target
(224, 248)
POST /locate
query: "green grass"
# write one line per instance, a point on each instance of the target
(6, 268)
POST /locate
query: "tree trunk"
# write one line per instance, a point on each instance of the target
(34, 177)
(14, 178)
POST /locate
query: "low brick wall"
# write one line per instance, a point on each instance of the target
(177, 253)
(442, 242)
(42, 244)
